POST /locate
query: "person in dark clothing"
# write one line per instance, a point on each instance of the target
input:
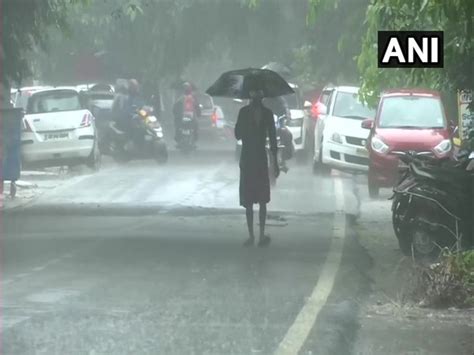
(254, 124)
(119, 106)
(135, 102)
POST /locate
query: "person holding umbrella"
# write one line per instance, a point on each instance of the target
(254, 124)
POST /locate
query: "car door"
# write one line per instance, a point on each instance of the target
(326, 99)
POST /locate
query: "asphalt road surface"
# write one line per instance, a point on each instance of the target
(147, 259)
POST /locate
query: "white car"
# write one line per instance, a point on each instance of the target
(340, 141)
(296, 119)
(57, 130)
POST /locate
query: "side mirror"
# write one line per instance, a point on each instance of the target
(307, 105)
(367, 124)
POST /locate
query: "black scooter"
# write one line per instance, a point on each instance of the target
(433, 204)
(146, 141)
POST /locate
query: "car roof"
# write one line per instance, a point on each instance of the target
(348, 89)
(414, 92)
(33, 88)
(56, 88)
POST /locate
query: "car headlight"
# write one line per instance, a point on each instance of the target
(443, 147)
(336, 137)
(379, 145)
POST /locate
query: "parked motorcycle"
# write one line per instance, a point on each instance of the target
(147, 142)
(433, 203)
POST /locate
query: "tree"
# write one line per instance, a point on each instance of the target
(24, 29)
(158, 40)
(454, 17)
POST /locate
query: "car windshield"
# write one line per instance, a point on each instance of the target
(205, 101)
(348, 105)
(52, 101)
(412, 112)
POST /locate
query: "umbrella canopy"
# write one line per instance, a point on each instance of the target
(239, 83)
(279, 68)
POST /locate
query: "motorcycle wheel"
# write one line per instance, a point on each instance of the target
(118, 153)
(419, 242)
(186, 145)
(160, 153)
(399, 213)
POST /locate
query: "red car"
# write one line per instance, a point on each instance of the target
(406, 120)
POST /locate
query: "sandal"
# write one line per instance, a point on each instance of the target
(264, 241)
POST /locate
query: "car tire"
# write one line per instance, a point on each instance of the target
(319, 168)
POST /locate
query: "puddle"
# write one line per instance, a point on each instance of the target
(51, 296)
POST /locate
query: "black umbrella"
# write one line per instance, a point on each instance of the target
(239, 83)
(279, 68)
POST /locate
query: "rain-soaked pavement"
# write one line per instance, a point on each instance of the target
(146, 259)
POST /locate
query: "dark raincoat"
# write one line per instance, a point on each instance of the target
(254, 180)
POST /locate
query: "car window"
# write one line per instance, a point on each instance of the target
(205, 101)
(348, 105)
(412, 111)
(52, 101)
(325, 96)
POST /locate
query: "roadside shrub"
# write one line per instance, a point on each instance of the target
(447, 283)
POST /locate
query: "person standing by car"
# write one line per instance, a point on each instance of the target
(254, 124)
(119, 105)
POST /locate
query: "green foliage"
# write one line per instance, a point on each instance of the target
(156, 40)
(454, 17)
(24, 26)
(450, 282)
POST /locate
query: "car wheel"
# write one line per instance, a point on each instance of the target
(319, 168)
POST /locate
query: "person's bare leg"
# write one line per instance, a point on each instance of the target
(262, 214)
(249, 215)
(263, 239)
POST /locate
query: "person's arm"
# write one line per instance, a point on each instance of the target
(238, 126)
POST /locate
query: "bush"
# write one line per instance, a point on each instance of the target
(450, 282)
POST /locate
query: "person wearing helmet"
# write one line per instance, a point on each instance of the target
(186, 105)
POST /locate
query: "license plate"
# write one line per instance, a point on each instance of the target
(362, 151)
(56, 136)
(187, 132)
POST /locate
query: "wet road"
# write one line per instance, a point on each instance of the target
(146, 259)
